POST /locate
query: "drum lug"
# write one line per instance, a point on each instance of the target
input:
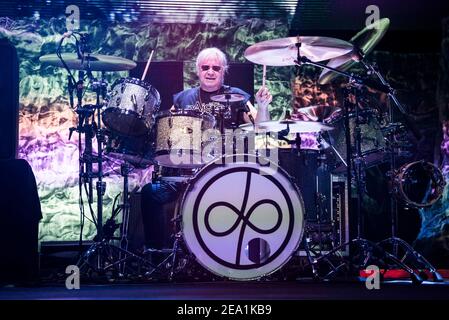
(141, 111)
(187, 130)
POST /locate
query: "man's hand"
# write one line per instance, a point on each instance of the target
(263, 97)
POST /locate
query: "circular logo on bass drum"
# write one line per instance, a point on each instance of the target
(240, 223)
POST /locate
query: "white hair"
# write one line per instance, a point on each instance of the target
(208, 52)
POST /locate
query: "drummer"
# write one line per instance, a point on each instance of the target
(211, 67)
(159, 198)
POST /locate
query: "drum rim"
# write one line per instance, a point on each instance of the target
(158, 153)
(185, 112)
(141, 83)
(369, 112)
(400, 186)
(133, 80)
(191, 182)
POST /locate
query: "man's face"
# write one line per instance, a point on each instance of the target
(211, 73)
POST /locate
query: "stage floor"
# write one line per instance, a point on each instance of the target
(229, 290)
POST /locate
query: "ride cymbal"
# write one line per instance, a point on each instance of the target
(284, 51)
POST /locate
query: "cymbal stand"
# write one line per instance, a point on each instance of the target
(103, 257)
(409, 253)
(368, 249)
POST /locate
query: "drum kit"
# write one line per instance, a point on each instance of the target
(240, 219)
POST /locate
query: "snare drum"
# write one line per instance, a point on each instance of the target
(241, 219)
(132, 104)
(180, 140)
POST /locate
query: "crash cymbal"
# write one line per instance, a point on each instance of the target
(293, 125)
(317, 113)
(283, 52)
(228, 97)
(95, 62)
(365, 41)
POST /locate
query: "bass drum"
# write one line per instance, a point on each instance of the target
(419, 184)
(242, 219)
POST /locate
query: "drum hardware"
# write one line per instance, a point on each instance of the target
(363, 249)
(125, 258)
(227, 98)
(367, 249)
(437, 181)
(102, 257)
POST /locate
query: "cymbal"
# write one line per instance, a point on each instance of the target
(294, 126)
(317, 113)
(283, 51)
(98, 62)
(365, 41)
(228, 97)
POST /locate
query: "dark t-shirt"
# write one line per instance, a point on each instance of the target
(199, 100)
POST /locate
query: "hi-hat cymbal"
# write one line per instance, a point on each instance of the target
(93, 62)
(284, 52)
(317, 113)
(228, 97)
(365, 41)
(293, 125)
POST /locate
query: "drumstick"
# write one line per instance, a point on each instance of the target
(264, 73)
(148, 64)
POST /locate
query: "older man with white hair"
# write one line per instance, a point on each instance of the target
(211, 67)
(159, 197)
